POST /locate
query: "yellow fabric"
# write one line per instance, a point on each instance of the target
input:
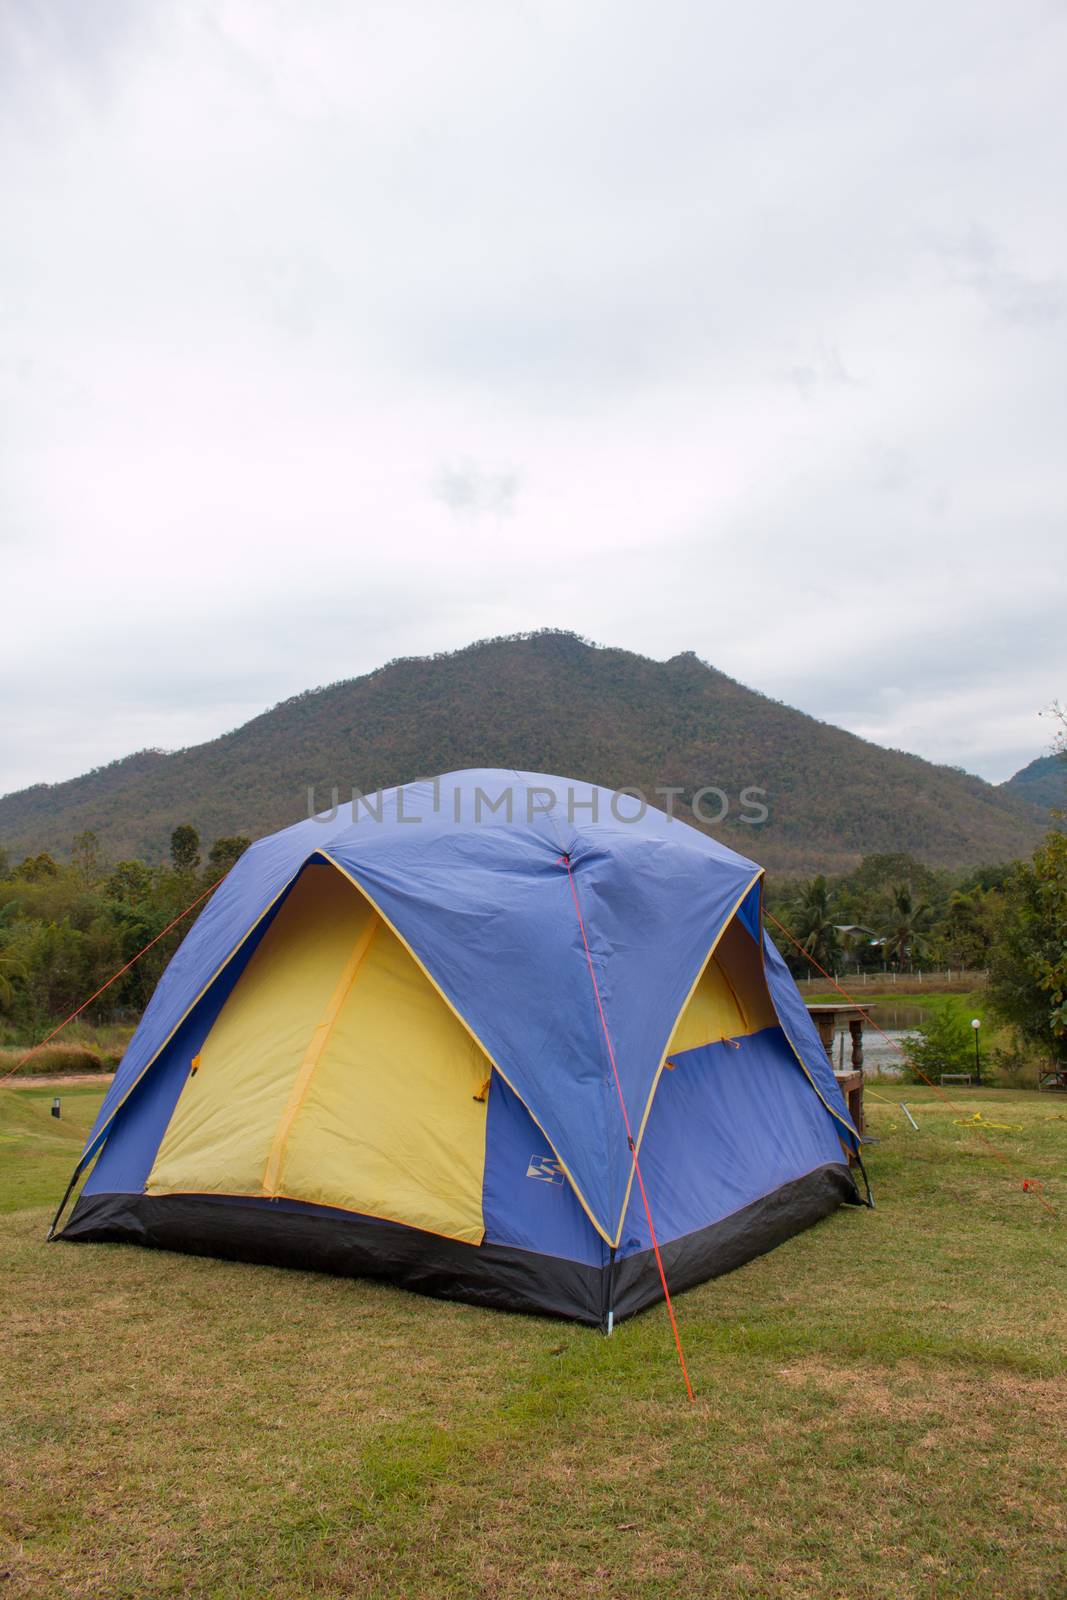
(731, 999)
(740, 958)
(224, 1124)
(313, 1054)
(335, 1074)
(391, 1125)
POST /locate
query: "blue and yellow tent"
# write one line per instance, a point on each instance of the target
(416, 1038)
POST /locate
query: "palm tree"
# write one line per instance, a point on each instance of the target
(812, 920)
(906, 939)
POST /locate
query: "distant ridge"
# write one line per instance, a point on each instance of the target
(549, 702)
(1043, 783)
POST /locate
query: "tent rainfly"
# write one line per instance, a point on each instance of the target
(414, 1040)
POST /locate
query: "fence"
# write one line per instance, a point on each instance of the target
(874, 982)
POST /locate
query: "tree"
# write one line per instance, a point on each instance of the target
(944, 1043)
(129, 881)
(85, 858)
(968, 926)
(185, 848)
(35, 869)
(994, 877)
(10, 967)
(876, 873)
(906, 938)
(1028, 961)
(812, 923)
(224, 853)
(859, 943)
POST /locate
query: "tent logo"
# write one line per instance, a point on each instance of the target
(546, 1168)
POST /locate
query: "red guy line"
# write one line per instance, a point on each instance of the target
(566, 861)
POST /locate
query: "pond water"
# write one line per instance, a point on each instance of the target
(880, 1054)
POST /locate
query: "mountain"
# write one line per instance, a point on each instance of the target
(1043, 783)
(547, 702)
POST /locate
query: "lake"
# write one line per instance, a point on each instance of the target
(879, 1054)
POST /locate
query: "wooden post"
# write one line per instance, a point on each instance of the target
(855, 1028)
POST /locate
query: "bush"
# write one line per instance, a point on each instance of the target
(1014, 1068)
(58, 1061)
(944, 1043)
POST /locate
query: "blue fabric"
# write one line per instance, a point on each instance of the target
(470, 870)
(727, 1126)
(126, 1158)
(526, 1200)
(749, 911)
(490, 912)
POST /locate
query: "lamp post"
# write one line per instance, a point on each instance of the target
(976, 1023)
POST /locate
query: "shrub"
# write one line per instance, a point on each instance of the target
(58, 1060)
(944, 1043)
(1014, 1067)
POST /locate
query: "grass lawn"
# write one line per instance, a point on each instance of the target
(881, 1410)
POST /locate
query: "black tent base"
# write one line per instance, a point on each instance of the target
(286, 1234)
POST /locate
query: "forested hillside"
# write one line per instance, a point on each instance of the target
(553, 703)
(1043, 783)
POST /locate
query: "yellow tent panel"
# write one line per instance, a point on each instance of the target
(335, 1074)
(401, 1135)
(220, 1136)
(731, 999)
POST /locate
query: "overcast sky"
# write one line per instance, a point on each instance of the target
(335, 332)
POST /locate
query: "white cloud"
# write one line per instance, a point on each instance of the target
(330, 334)
(469, 490)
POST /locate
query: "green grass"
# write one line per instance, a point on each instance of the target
(38, 1152)
(881, 1407)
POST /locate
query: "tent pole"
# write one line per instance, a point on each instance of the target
(63, 1203)
(609, 1309)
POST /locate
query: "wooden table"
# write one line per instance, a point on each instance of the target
(851, 1086)
(827, 1018)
